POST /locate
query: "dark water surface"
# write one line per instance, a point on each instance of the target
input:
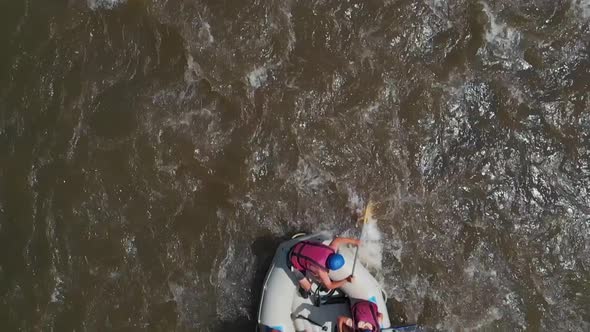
(153, 153)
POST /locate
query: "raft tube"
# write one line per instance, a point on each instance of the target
(283, 309)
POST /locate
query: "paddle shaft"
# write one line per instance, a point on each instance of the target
(356, 254)
(324, 328)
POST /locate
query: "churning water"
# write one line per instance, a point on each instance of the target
(154, 153)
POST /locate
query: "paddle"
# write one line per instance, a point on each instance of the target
(324, 328)
(366, 217)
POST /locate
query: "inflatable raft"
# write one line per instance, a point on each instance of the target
(283, 309)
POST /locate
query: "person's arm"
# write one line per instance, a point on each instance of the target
(380, 318)
(328, 283)
(339, 241)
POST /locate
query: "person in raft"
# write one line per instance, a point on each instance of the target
(317, 259)
(365, 318)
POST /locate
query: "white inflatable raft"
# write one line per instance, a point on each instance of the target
(283, 309)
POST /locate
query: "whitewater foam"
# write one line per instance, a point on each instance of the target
(371, 249)
(583, 8)
(105, 4)
(258, 77)
(504, 42)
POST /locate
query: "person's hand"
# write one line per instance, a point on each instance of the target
(357, 242)
(350, 278)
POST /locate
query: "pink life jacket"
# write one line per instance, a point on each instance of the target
(365, 311)
(307, 253)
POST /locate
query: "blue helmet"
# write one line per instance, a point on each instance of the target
(335, 261)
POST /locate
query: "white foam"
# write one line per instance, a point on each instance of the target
(371, 249)
(107, 4)
(205, 32)
(583, 7)
(129, 244)
(258, 77)
(504, 41)
(355, 201)
(57, 294)
(193, 70)
(396, 248)
(497, 32)
(492, 314)
(78, 131)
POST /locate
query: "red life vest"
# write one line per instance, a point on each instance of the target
(305, 254)
(365, 311)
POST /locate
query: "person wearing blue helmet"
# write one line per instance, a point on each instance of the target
(315, 259)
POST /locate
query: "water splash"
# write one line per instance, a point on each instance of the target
(371, 249)
(105, 4)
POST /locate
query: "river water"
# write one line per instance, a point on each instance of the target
(154, 153)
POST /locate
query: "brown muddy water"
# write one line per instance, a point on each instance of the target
(153, 154)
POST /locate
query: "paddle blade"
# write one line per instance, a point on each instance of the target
(368, 217)
(371, 251)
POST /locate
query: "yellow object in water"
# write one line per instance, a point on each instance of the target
(368, 217)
